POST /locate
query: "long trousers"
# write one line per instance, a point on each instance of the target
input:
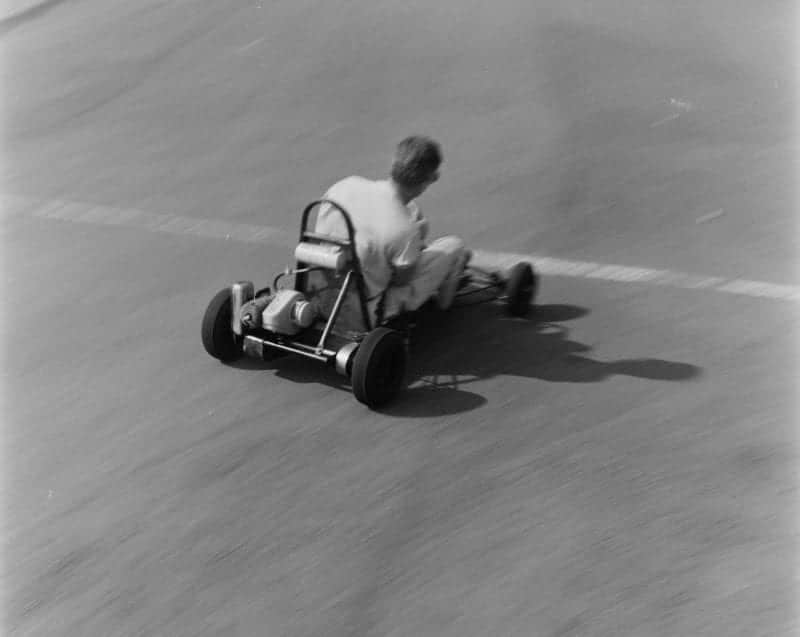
(435, 276)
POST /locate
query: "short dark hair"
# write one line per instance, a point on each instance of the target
(416, 160)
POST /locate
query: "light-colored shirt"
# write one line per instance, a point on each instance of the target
(389, 235)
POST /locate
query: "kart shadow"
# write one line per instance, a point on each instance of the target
(535, 347)
(451, 351)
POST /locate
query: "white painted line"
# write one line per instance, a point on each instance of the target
(699, 282)
(684, 105)
(268, 235)
(666, 119)
(213, 229)
(762, 289)
(179, 225)
(250, 46)
(12, 205)
(151, 221)
(248, 233)
(120, 217)
(69, 211)
(48, 209)
(627, 274)
(710, 216)
(93, 215)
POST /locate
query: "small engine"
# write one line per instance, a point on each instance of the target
(287, 313)
(252, 310)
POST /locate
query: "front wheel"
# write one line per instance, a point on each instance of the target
(379, 367)
(521, 287)
(218, 337)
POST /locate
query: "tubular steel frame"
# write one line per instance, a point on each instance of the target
(354, 274)
(350, 242)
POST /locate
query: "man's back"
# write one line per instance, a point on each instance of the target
(387, 231)
(401, 272)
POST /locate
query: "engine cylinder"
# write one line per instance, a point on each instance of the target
(288, 313)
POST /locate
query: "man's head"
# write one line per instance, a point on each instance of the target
(416, 164)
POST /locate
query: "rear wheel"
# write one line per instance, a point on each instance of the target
(379, 367)
(218, 337)
(521, 287)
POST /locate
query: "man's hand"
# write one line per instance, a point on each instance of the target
(423, 227)
(403, 275)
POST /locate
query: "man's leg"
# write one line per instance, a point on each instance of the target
(438, 271)
(436, 277)
(446, 293)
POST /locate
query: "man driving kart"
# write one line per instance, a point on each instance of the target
(401, 272)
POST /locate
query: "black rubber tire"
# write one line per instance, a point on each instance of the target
(521, 287)
(218, 337)
(379, 367)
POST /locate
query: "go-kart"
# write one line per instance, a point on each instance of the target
(327, 316)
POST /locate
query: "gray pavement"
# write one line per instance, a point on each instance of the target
(622, 463)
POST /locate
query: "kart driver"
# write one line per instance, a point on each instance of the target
(401, 271)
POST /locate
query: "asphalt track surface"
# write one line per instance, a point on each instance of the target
(623, 462)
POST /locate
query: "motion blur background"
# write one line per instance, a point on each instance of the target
(623, 462)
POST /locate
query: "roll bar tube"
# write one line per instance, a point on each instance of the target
(305, 233)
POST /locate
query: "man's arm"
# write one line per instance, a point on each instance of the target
(404, 262)
(419, 220)
(403, 275)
